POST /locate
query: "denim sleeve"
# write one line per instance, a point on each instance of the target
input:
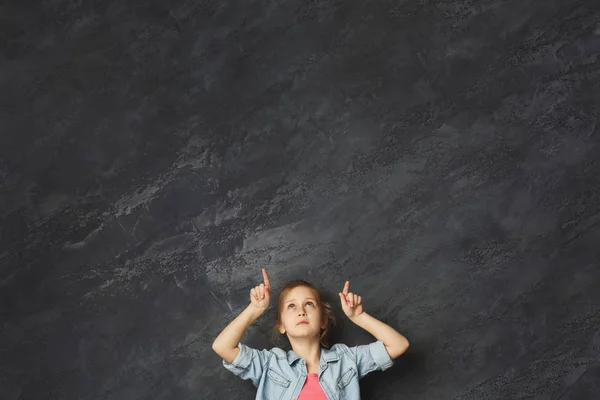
(371, 357)
(249, 363)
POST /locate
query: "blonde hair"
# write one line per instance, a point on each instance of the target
(325, 308)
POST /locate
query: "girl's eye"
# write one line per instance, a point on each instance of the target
(309, 302)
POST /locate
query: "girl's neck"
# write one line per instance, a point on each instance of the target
(310, 352)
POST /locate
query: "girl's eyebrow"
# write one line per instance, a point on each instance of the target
(308, 298)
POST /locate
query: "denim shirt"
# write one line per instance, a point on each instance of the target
(280, 376)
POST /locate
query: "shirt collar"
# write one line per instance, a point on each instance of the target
(326, 356)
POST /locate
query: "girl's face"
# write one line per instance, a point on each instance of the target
(301, 314)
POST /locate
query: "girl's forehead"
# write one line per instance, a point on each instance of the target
(299, 293)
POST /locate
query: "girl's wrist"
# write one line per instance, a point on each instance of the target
(255, 312)
(356, 317)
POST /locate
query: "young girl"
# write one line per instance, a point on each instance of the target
(309, 370)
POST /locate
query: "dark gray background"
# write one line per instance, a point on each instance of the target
(442, 155)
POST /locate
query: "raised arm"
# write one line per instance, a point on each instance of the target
(395, 343)
(226, 344)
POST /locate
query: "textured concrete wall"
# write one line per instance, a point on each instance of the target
(442, 155)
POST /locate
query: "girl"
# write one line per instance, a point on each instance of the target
(309, 370)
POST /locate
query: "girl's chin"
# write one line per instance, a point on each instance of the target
(304, 335)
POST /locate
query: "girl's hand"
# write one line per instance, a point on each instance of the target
(351, 303)
(260, 296)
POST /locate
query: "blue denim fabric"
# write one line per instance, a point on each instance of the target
(280, 375)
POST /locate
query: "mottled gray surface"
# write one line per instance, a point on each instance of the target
(442, 155)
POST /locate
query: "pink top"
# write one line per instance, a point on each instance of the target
(312, 389)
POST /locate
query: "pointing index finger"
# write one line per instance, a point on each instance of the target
(266, 278)
(346, 287)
